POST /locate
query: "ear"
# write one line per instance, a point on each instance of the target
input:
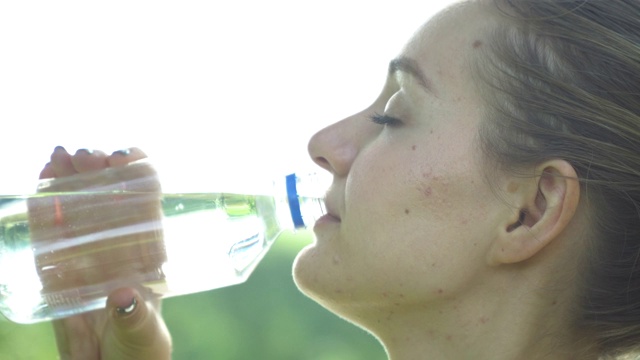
(546, 204)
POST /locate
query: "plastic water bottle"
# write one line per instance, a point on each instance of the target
(64, 248)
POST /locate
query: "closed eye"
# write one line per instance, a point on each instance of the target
(385, 120)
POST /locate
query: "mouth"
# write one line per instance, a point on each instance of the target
(330, 214)
(326, 220)
(331, 211)
(333, 217)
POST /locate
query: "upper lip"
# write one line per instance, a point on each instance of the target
(330, 207)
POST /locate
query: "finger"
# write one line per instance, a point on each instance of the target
(61, 162)
(125, 156)
(134, 329)
(47, 172)
(88, 160)
(75, 339)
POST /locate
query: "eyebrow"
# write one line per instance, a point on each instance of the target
(410, 66)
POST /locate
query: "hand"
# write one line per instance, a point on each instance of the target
(128, 329)
(131, 326)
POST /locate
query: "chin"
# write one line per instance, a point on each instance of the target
(302, 268)
(322, 286)
(312, 273)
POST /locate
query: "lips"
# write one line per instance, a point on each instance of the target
(331, 215)
(324, 221)
(332, 218)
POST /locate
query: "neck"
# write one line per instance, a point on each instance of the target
(491, 325)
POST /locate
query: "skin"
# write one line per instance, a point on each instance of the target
(138, 333)
(425, 245)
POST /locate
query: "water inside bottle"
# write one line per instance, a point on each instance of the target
(72, 249)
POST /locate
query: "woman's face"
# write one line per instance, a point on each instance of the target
(412, 213)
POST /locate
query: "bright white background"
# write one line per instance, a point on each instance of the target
(209, 85)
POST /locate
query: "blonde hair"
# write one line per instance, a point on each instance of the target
(562, 80)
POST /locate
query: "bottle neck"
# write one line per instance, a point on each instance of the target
(304, 197)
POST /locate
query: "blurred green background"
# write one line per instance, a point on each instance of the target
(266, 318)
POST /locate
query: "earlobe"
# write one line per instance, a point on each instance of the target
(546, 204)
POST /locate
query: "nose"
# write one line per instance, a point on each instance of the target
(335, 147)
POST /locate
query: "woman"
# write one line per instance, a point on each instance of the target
(485, 206)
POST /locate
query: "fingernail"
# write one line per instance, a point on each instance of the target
(84, 151)
(123, 311)
(59, 148)
(123, 152)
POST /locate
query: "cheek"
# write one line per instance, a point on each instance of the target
(397, 179)
(381, 189)
(424, 186)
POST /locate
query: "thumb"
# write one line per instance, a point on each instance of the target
(134, 329)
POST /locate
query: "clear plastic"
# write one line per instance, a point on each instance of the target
(64, 248)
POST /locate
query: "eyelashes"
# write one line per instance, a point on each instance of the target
(385, 120)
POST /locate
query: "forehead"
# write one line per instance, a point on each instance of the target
(443, 46)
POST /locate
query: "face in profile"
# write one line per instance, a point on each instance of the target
(412, 212)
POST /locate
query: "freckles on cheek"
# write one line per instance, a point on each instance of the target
(426, 190)
(432, 191)
(426, 182)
